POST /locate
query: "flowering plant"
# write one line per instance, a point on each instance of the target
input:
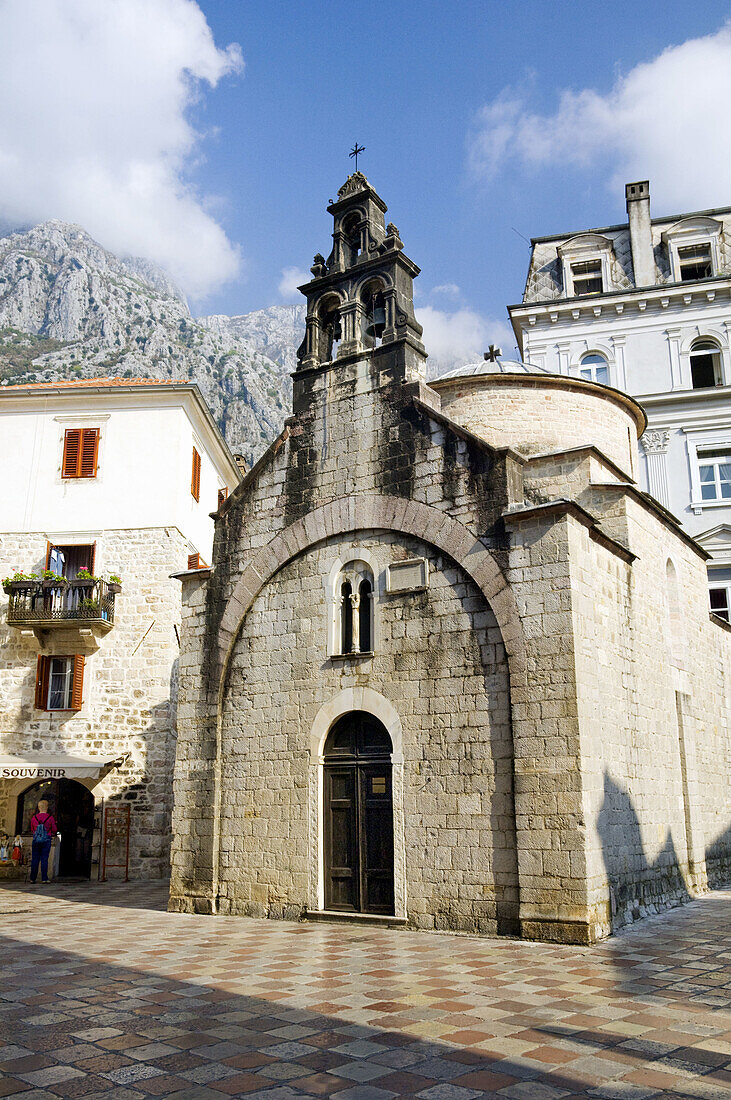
(85, 575)
(51, 575)
(19, 578)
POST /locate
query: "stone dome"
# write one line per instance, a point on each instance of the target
(533, 410)
(501, 365)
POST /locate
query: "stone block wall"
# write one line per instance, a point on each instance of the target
(439, 661)
(130, 688)
(654, 716)
(535, 413)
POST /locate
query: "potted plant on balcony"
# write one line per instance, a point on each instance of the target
(20, 582)
(114, 584)
(51, 579)
(84, 579)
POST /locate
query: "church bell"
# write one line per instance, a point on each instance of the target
(375, 318)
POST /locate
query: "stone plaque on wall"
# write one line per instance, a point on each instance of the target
(408, 576)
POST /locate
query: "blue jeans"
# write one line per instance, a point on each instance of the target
(40, 850)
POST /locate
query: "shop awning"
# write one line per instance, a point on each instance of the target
(55, 766)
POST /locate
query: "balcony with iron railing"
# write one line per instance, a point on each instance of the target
(60, 616)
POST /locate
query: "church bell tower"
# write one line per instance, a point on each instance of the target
(360, 300)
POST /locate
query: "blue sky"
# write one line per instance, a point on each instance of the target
(408, 80)
(482, 122)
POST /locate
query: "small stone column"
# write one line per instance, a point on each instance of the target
(355, 604)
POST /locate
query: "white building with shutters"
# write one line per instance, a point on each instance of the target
(108, 489)
(645, 307)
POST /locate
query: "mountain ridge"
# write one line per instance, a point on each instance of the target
(69, 308)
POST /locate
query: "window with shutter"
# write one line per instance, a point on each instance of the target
(42, 672)
(77, 684)
(195, 561)
(222, 495)
(195, 483)
(80, 452)
(60, 683)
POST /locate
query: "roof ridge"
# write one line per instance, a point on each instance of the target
(100, 381)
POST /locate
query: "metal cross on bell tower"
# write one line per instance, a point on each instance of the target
(355, 151)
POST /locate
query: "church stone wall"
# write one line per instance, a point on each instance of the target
(439, 660)
(130, 686)
(534, 414)
(654, 718)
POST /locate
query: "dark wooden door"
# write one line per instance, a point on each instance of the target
(358, 817)
(341, 838)
(376, 837)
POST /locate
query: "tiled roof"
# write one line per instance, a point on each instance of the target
(80, 382)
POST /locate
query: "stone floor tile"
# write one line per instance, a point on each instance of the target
(364, 1092)
(11, 1086)
(391, 1012)
(448, 1092)
(51, 1075)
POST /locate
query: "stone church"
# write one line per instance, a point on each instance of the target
(450, 667)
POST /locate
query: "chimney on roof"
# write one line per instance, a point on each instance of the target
(640, 232)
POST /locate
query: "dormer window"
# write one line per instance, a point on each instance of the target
(587, 261)
(695, 262)
(586, 277)
(693, 246)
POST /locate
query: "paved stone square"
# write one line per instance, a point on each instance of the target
(105, 994)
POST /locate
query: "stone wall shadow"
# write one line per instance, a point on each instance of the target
(201, 1033)
(718, 860)
(638, 887)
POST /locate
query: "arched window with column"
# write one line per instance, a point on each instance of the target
(353, 610)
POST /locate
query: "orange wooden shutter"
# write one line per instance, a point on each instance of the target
(49, 548)
(222, 494)
(89, 451)
(195, 483)
(43, 669)
(71, 452)
(77, 687)
(92, 556)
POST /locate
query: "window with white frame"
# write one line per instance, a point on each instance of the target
(695, 261)
(714, 470)
(60, 683)
(594, 368)
(720, 601)
(705, 364)
(586, 277)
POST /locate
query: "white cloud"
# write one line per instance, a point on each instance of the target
(461, 336)
(94, 96)
(665, 120)
(447, 290)
(292, 277)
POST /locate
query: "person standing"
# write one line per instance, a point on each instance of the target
(43, 830)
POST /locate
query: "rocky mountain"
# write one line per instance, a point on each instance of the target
(276, 332)
(71, 309)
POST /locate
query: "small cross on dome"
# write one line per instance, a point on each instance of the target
(492, 353)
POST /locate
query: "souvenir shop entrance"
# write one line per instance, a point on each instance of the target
(72, 805)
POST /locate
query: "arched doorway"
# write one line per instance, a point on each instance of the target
(358, 816)
(72, 805)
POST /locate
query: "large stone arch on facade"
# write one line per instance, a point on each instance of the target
(344, 516)
(358, 513)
